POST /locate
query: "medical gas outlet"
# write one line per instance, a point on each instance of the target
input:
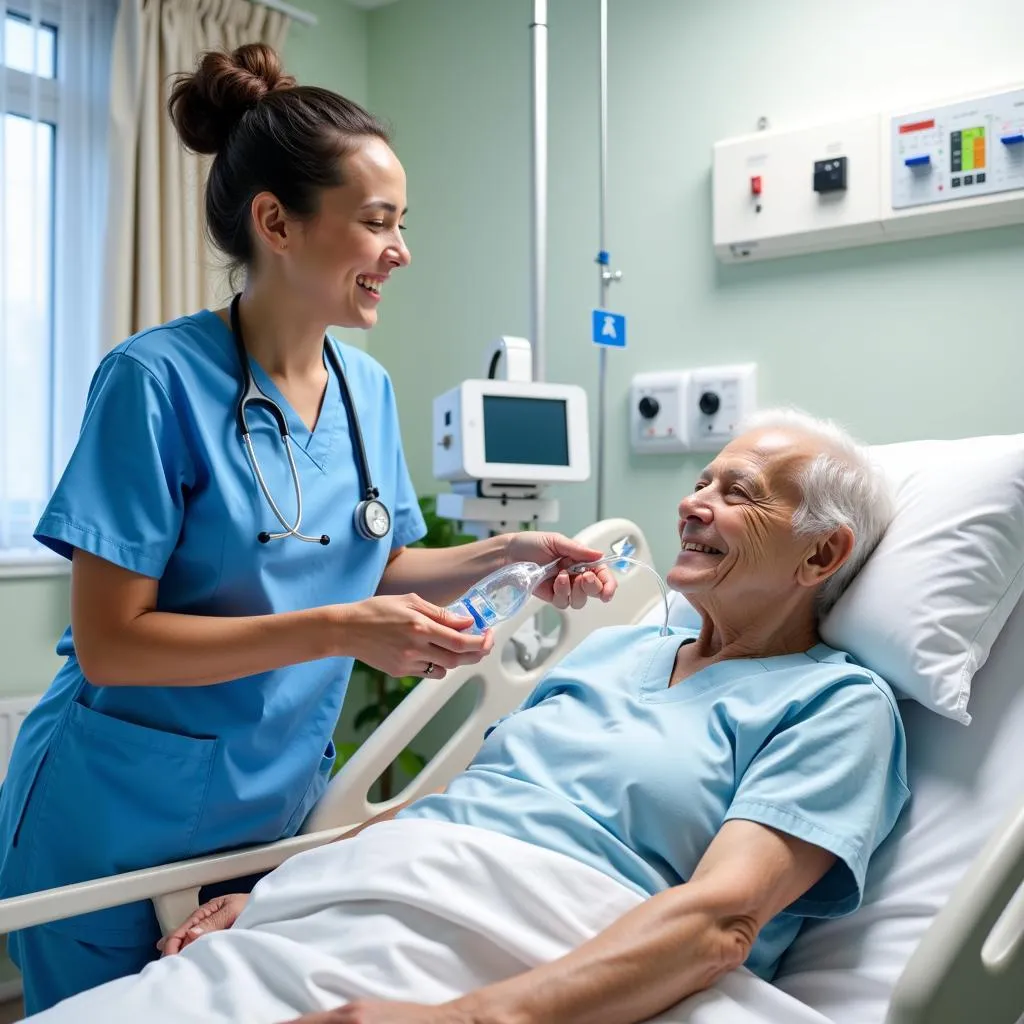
(690, 410)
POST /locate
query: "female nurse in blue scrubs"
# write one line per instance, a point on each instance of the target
(211, 637)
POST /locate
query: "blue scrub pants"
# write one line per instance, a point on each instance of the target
(55, 965)
(98, 796)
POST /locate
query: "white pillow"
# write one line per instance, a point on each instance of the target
(925, 609)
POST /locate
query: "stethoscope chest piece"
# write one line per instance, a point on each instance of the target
(372, 519)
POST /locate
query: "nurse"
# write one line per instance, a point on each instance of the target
(210, 645)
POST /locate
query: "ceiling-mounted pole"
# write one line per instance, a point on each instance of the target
(602, 97)
(602, 257)
(538, 294)
(606, 276)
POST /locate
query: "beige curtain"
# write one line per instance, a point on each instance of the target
(158, 263)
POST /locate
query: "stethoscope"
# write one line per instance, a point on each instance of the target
(372, 518)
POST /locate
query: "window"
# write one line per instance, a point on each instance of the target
(54, 66)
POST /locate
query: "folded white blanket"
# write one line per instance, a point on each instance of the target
(407, 910)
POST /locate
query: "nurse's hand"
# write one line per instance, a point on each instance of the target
(406, 636)
(215, 916)
(562, 590)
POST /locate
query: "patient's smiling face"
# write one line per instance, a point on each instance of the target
(742, 510)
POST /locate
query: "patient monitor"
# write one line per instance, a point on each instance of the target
(500, 442)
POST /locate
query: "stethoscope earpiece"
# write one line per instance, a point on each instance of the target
(324, 539)
(264, 537)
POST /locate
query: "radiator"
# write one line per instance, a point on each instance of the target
(12, 713)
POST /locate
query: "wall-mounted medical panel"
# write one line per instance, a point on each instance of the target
(908, 174)
(956, 167)
(780, 193)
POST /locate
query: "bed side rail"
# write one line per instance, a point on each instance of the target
(153, 883)
(504, 684)
(970, 964)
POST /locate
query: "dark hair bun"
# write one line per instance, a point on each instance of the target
(208, 103)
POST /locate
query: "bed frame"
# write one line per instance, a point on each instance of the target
(970, 965)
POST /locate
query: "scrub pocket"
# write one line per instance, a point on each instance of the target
(15, 794)
(113, 797)
(314, 791)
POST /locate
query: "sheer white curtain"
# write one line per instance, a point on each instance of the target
(54, 108)
(158, 264)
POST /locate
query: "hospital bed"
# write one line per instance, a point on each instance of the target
(938, 939)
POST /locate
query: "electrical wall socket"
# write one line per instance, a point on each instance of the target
(721, 398)
(690, 410)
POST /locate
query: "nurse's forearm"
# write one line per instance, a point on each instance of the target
(440, 575)
(121, 639)
(167, 649)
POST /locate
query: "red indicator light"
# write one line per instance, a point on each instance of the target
(916, 126)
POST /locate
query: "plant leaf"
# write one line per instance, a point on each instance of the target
(344, 752)
(393, 698)
(410, 762)
(360, 670)
(369, 715)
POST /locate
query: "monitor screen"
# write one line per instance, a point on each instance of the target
(526, 431)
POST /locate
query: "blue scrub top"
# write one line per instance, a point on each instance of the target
(606, 763)
(159, 483)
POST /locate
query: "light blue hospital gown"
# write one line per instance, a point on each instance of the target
(606, 763)
(109, 779)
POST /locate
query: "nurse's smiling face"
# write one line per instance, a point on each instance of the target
(739, 551)
(340, 259)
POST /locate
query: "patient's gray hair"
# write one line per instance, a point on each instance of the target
(840, 487)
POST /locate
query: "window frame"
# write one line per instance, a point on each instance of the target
(37, 97)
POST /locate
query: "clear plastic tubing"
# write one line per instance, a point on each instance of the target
(581, 567)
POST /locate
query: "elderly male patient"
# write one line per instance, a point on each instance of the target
(660, 811)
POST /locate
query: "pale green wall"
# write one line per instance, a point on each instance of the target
(897, 341)
(333, 53)
(33, 613)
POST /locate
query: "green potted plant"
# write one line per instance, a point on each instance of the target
(383, 692)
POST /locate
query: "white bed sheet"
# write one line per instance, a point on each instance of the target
(361, 919)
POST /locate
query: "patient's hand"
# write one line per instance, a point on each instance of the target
(562, 590)
(214, 916)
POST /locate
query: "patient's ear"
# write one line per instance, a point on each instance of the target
(826, 555)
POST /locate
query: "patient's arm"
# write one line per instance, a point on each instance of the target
(674, 944)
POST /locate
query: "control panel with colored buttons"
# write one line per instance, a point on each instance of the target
(959, 151)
